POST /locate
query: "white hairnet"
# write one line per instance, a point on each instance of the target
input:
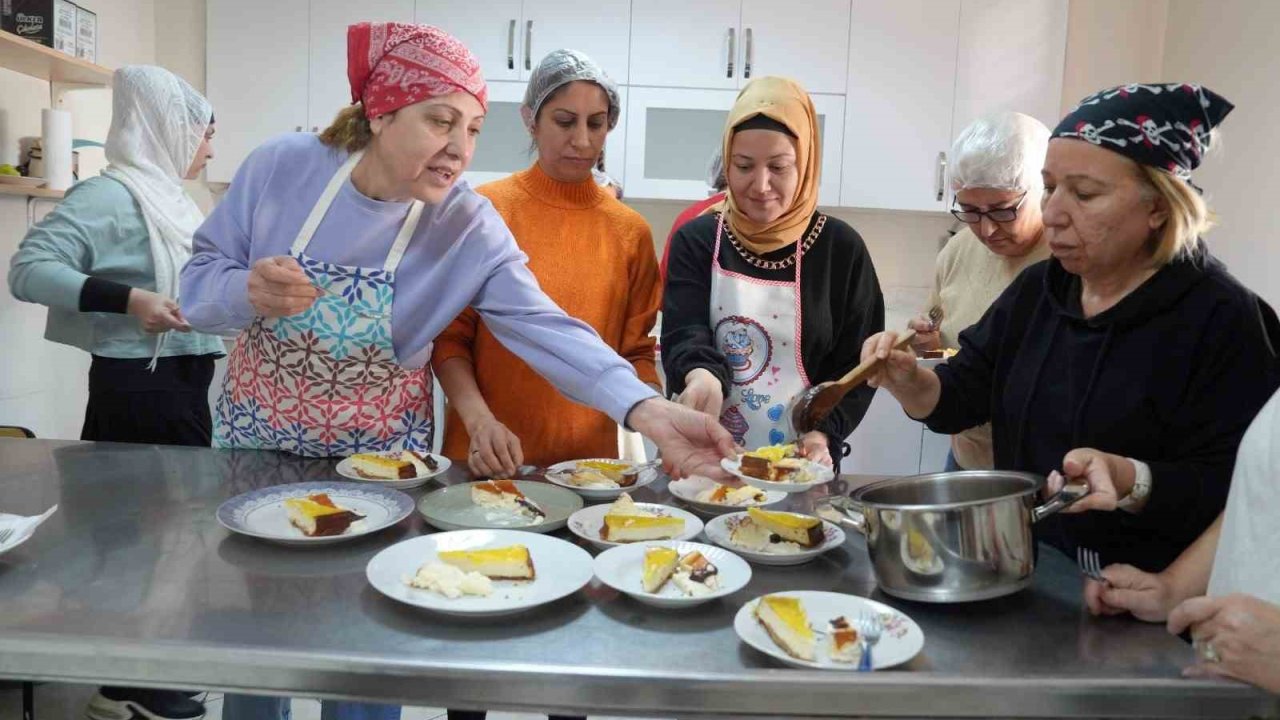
(561, 67)
(715, 171)
(158, 122)
(1001, 151)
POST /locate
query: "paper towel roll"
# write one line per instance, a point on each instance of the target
(55, 143)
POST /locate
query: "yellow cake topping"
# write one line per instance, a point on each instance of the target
(611, 470)
(774, 453)
(790, 612)
(659, 563)
(505, 563)
(783, 519)
(311, 508)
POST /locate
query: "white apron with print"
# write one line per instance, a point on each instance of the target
(326, 382)
(756, 324)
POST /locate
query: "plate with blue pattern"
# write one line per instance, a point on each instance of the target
(261, 513)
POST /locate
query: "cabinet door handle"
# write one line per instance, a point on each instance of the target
(733, 52)
(511, 45)
(297, 128)
(315, 128)
(746, 69)
(942, 171)
(528, 42)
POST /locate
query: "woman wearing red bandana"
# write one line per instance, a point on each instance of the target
(338, 258)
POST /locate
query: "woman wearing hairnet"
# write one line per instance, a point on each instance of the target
(106, 262)
(590, 253)
(995, 176)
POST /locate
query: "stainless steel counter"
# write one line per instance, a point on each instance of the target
(133, 581)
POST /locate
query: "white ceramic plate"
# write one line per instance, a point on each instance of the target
(821, 474)
(901, 640)
(687, 491)
(346, 471)
(720, 529)
(622, 568)
(261, 514)
(450, 508)
(586, 523)
(561, 569)
(646, 477)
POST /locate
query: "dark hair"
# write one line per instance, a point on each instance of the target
(763, 122)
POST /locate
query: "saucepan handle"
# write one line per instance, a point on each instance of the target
(844, 512)
(1066, 497)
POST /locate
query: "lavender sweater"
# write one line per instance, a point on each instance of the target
(461, 255)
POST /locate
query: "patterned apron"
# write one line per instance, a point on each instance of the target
(757, 327)
(325, 382)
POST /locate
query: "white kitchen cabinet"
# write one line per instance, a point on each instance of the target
(886, 442)
(600, 29)
(671, 49)
(1011, 57)
(257, 75)
(504, 145)
(672, 134)
(329, 89)
(730, 42)
(900, 95)
(809, 43)
(510, 37)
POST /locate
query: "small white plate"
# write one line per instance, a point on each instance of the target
(646, 477)
(586, 523)
(687, 491)
(442, 462)
(450, 508)
(720, 529)
(901, 640)
(560, 568)
(821, 474)
(261, 514)
(622, 568)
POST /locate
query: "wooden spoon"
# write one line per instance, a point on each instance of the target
(816, 403)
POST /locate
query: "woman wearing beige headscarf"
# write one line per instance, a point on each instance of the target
(766, 295)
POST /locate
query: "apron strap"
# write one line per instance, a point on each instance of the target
(407, 229)
(308, 229)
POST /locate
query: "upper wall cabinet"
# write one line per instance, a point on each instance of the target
(330, 91)
(1011, 58)
(733, 41)
(510, 37)
(256, 75)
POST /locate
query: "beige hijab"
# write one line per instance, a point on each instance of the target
(785, 101)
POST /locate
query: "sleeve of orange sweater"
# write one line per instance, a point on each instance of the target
(643, 304)
(457, 340)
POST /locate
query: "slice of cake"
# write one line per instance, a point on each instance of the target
(506, 563)
(614, 470)
(787, 623)
(317, 516)
(450, 581)
(380, 467)
(842, 641)
(659, 563)
(773, 462)
(725, 495)
(696, 576)
(505, 495)
(423, 463)
(627, 522)
(803, 530)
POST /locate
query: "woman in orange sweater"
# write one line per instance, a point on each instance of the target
(591, 254)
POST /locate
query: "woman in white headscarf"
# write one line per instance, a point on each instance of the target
(106, 263)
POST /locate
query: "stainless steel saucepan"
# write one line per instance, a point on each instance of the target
(952, 536)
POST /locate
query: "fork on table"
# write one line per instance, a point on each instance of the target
(1090, 565)
(871, 627)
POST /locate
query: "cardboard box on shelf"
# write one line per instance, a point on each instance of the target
(86, 35)
(51, 23)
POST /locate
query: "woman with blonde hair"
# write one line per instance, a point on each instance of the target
(1132, 360)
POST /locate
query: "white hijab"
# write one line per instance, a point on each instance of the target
(157, 124)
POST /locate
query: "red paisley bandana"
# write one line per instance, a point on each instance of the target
(391, 65)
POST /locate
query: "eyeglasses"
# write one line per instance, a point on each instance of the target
(1000, 215)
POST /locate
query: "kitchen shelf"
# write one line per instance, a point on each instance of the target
(31, 58)
(36, 192)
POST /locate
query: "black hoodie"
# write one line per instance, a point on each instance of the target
(1171, 375)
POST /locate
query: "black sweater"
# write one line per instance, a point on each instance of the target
(840, 301)
(1172, 376)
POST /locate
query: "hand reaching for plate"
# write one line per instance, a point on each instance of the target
(495, 451)
(691, 442)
